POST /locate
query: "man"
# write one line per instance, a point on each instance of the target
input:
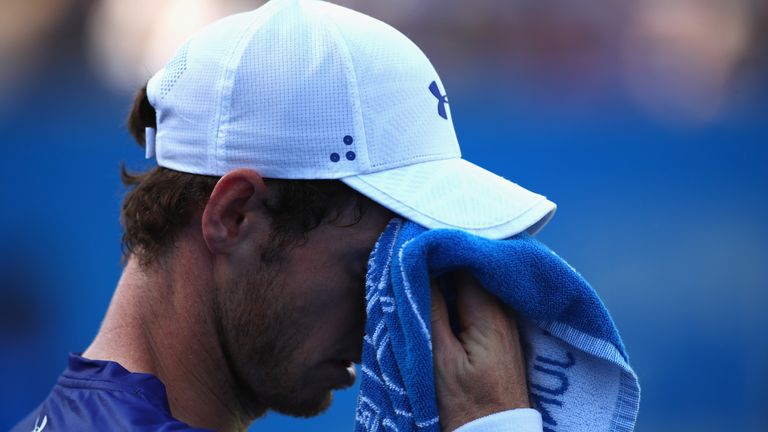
(286, 139)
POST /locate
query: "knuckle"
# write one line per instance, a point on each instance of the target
(496, 329)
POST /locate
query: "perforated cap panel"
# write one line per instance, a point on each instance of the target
(293, 101)
(174, 70)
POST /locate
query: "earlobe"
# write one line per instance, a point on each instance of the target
(233, 209)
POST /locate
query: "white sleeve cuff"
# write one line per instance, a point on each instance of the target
(515, 420)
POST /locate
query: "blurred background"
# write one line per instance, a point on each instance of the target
(645, 120)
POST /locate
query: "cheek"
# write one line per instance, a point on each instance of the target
(346, 303)
(333, 314)
(328, 305)
(334, 294)
(332, 321)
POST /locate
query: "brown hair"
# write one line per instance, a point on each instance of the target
(161, 202)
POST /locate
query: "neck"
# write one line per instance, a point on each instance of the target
(160, 321)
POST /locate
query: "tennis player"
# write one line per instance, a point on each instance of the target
(286, 138)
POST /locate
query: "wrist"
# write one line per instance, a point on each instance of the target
(454, 422)
(518, 420)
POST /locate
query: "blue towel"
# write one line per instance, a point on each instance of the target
(578, 371)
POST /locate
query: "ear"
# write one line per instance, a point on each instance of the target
(234, 212)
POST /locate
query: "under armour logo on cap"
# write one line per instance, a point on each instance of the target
(441, 100)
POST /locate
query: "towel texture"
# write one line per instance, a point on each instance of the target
(578, 371)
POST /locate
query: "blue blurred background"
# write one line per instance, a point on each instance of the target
(645, 120)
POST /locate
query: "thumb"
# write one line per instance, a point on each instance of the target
(443, 339)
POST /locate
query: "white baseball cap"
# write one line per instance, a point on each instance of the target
(305, 89)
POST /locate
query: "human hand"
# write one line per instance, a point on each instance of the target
(482, 371)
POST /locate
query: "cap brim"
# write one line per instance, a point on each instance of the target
(455, 193)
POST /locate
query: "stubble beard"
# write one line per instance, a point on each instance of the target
(262, 347)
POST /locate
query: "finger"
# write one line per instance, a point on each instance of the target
(475, 305)
(443, 339)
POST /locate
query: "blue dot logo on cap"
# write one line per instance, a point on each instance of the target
(350, 155)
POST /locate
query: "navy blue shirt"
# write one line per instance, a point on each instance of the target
(96, 395)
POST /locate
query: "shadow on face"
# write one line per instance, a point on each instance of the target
(293, 329)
